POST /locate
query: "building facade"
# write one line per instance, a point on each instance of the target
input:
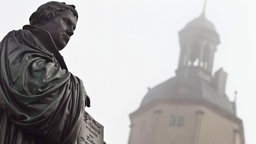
(191, 107)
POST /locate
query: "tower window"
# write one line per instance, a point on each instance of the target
(172, 121)
(176, 120)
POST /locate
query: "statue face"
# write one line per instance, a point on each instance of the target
(61, 28)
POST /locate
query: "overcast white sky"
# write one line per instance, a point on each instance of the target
(121, 47)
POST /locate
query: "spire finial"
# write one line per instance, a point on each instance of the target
(204, 7)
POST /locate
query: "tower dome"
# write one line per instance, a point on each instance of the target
(201, 22)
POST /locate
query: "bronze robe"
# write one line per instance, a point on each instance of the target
(41, 102)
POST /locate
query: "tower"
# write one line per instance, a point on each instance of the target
(191, 107)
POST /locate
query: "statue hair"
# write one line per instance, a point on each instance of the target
(49, 11)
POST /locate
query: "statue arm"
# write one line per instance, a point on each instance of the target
(43, 99)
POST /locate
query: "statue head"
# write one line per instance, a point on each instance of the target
(49, 11)
(57, 18)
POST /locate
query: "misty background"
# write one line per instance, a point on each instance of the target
(122, 47)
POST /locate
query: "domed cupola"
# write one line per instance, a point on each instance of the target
(201, 22)
(198, 42)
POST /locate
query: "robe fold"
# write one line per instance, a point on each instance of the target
(41, 102)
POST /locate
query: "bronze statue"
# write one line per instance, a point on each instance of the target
(41, 102)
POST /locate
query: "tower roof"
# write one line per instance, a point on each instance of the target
(201, 22)
(193, 88)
